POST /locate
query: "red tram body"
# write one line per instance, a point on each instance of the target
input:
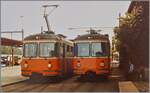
(91, 55)
(46, 54)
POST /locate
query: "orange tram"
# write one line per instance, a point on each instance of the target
(91, 55)
(47, 54)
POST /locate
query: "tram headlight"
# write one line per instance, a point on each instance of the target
(25, 65)
(102, 64)
(49, 65)
(78, 64)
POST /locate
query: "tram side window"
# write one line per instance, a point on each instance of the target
(57, 49)
(64, 50)
(83, 49)
(47, 49)
(69, 51)
(30, 50)
(68, 48)
(75, 50)
(105, 47)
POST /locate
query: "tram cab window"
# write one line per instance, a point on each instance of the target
(47, 49)
(30, 50)
(99, 49)
(83, 49)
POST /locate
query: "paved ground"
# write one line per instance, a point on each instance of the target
(11, 75)
(143, 86)
(68, 85)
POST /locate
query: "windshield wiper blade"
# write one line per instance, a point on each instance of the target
(31, 57)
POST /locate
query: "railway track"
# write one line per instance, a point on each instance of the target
(68, 85)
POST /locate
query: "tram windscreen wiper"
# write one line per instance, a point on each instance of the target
(31, 57)
(98, 54)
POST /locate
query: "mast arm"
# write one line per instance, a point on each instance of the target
(47, 22)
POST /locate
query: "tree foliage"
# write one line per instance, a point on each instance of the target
(8, 50)
(132, 38)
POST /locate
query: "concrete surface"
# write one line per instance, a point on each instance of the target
(71, 84)
(127, 86)
(11, 74)
(143, 86)
(68, 85)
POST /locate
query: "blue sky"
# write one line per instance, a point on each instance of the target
(69, 14)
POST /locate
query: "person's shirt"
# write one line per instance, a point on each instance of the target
(131, 68)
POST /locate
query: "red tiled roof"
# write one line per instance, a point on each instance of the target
(10, 42)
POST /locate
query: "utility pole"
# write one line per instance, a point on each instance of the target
(115, 45)
(22, 34)
(119, 19)
(41, 29)
(22, 27)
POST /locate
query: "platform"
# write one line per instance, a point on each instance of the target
(11, 75)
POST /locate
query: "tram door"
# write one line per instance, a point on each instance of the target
(62, 58)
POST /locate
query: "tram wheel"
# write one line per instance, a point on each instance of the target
(91, 76)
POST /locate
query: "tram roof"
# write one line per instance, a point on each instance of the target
(68, 42)
(48, 36)
(92, 37)
(42, 36)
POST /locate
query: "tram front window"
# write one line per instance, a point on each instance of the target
(99, 49)
(30, 50)
(83, 49)
(47, 49)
